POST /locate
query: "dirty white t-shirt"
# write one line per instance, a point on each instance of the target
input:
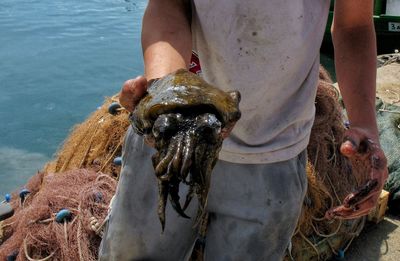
(269, 51)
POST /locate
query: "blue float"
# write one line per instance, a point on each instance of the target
(98, 197)
(12, 256)
(63, 215)
(118, 161)
(340, 255)
(8, 197)
(113, 108)
(23, 193)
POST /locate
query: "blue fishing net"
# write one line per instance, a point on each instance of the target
(388, 117)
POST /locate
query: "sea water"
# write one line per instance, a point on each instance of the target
(58, 61)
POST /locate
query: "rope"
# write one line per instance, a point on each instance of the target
(1, 231)
(105, 176)
(3, 225)
(360, 228)
(115, 98)
(297, 230)
(67, 198)
(353, 235)
(78, 237)
(324, 235)
(91, 141)
(97, 227)
(112, 154)
(33, 259)
(331, 247)
(99, 205)
(331, 205)
(334, 155)
(65, 232)
(22, 201)
(316, 157)
(37, 240)
(384, 110)
(334, 190)
(397, 96)
(97, 122)
(66, 163)
(104, 184)
(310, 243)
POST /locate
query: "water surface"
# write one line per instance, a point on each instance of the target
(58, 60)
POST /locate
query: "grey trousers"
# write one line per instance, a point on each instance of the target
(253, 211)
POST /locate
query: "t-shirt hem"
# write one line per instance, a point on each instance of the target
(266, 157)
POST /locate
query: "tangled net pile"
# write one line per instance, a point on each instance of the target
(33, 232)
(330, 179)
(97, 141)
(94, 143)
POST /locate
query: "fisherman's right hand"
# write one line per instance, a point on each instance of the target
(132, 92)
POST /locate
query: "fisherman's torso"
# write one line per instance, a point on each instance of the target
(269, 51)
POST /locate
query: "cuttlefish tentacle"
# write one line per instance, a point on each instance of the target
(189, 197)
(162, 165)
(190, 144)
(189, 157)
(177, 159)
(162, 201)
(174, 197)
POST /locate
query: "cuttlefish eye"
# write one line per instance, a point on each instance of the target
(166, 125)
(208, 125)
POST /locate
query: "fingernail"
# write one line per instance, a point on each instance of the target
(349, 140)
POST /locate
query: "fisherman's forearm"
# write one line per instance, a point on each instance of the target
(166, 37)
(354, 40)
(355, 58)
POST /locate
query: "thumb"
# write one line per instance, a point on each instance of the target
(140, 89)
(132, 92)
(353, 143)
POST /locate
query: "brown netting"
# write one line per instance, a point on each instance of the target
(33, 232)
(94, 143)
(329, 181)
(97, 141)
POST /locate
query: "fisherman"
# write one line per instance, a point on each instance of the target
(269, 51)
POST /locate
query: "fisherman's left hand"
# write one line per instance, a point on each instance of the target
(132, 92)
(369, 165)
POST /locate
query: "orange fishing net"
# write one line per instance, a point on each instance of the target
(95, 143)
(34, 233)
